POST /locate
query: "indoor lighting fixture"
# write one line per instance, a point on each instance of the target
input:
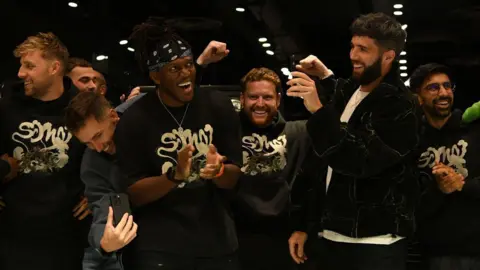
(404, 27)
(130, 49)
(407, 82)
(403, 53)
(397, 13)
(266, 45)
(262, 39)
(404, 74)
(285, 71)
(72, 4)
(269, 52)
(403, 61)
(403, 67)
(101, 57)
(123, 42)
(398, 6)
(240, 9)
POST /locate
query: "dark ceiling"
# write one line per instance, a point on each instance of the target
(444, 31)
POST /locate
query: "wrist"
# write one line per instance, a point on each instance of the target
(201, 61)
(174, 176)
(103, 247)
(220, 171)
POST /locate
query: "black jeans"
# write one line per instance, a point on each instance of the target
(264, 252)
(165, 261)
(454, 263)
(344, 256)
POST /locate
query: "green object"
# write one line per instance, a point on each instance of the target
(472, 113)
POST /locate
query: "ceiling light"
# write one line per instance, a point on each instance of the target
(266, 45)
(123, 42)
(397, 13)
(403, 61)
(262, 39)
(106, 57)
(269, 52)
(403, 53)
(130, 49)
(398, 6)
(101, 57)
(403, 67)
(404, 27)
(72, 4)
(404, 74)
(240, 9)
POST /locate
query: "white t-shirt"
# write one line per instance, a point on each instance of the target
(386, 239)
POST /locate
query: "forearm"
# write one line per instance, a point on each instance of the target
(150, 189)
(229, 178)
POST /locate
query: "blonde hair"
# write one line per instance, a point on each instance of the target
(50, 46)
(261, 74)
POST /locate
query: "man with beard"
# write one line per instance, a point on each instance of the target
(366, 135)
(40, 227)
(180, 149)
(449, 219)
(273, 154)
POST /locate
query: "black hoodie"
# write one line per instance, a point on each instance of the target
(450, 224)
(40, 201)
(272, 158)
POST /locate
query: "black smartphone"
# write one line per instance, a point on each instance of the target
(147, 88)
(120, 206)
(295, 60)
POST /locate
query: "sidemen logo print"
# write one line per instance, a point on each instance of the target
(453, 157)
(42, 147)
(261, 156)
(173, 142)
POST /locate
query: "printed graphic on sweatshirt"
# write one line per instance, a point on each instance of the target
(261, 156)
(453, 157)
(174, 141)
(41, 147)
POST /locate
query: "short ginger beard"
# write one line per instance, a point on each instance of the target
(370, 73)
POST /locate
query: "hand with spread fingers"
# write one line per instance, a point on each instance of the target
(117, 237)
(304, 87)
(448, 179)
(213, 53)
(214, 165)
(184, 162)
(81, 211)
(312, 66)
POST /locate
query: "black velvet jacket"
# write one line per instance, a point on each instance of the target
(374, 187)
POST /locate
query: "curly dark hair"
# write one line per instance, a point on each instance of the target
(384, 29)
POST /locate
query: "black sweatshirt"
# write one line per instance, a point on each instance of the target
(450, 224)
(272, 158)
(40, 201)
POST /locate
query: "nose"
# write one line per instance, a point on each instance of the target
(186, 72)
(98, 146)
(91, 86)
(353, 54)
(260, 102)
(21, 73)
(443, 91)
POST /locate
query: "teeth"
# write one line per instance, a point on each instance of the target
(184, 84)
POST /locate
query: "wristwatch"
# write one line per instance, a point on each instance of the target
(171, 176)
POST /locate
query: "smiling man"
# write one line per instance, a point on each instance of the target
(448, 218)
(366, 135)
(179, 147)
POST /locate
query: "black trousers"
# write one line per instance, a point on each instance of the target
(344, 256)
(165, 261)
(264, 251)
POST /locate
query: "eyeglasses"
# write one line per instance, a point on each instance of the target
(434, 88)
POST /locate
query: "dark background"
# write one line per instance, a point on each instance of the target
(444, 31)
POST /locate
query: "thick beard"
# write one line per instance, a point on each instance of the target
(439, 114)
(370, 73)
